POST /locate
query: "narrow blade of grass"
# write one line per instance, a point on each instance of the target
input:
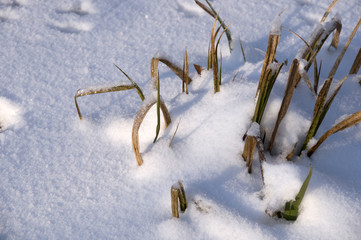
(175, 132)
(214, 58)
(317, 73)
(356, 63)
(158, 111)
(186, 70)
(328, 10)
(243, 53)
(328, 103)
(317, 111)
(224, 26)
(206, 9)
(235, 75)
(97, 90)
(348, 122)
(140, 92)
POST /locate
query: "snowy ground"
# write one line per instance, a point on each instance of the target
(62, 178)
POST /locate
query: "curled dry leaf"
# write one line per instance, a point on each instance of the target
(138, 121)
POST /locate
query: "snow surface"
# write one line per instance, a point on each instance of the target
(62, 178)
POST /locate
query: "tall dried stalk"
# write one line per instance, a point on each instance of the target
(178, 193)
(273, 40)
(138, 121)
(291, 83)
(214, 59)
(158, 111)
(356, 63)
(185, 72)
(348, 122)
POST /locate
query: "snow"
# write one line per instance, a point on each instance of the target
(276, 26)
(65, 178)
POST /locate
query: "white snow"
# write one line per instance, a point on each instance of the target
(276, 26)
(65, 178)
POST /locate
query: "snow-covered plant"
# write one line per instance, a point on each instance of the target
(305, 57)
(269, 74)
(322, 106)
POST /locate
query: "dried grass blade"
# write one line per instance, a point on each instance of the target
(243, 54)
(97, 90)
(348, 122)
(140, 92)
(291, 83)
(328, 10)
(356, 63)
(273, 41)
(186, 70)
(177, 70)
(206, 9)
(329, 102)
(339, 58)
(154, 72)
(317, 73)
(235, 75)
(228, 33)
(175, 132)
(138, 121)
(198, 68)
(158, 110)
(317, 112)
(214, 58)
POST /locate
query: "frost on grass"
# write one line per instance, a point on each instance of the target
(10, 115)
